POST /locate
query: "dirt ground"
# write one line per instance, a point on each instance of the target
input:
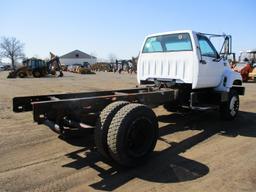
(195, 152)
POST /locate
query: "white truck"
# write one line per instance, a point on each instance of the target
(189, 60)
(178, 70)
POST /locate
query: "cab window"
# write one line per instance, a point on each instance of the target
(168, 43)
(206, 47)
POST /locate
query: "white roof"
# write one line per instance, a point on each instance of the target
(172, 32)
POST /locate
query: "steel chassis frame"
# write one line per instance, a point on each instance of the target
(82, 109)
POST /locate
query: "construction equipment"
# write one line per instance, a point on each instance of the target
(249, 55)
(54, 65)
(37, 68)
(102, 66)
(84, 68)
(30, 67)
(246, 65)
(184, 70)
(244, 69)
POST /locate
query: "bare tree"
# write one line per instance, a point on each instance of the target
(112, 58)
(12, 49)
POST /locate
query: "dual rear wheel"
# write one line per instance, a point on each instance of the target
(126, 133)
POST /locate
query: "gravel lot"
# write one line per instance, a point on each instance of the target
(195, 152)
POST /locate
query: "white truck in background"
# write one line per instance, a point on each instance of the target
(184, 70)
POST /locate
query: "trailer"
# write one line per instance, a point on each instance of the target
(179, 70)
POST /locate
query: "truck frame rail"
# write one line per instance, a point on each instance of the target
(85, 107)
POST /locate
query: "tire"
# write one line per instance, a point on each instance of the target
(229, 109)
(22, 74)
(102, 126)
(132, 135)
(170, 107)
(36, 74)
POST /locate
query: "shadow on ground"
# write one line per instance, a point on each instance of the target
(243, 125)
(166, 166)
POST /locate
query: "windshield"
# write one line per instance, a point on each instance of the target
(168, 43)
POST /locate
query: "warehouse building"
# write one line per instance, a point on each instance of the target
(77, 57)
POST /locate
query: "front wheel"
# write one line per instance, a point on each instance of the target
(36, 74)
(229, 109)
(22, 74)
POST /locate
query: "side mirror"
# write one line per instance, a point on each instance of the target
(218, 56)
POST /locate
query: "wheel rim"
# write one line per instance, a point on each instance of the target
(140, 136)
(234, 105)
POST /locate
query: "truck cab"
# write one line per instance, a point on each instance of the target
(185, 57)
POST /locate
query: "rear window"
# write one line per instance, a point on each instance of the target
(168, 43)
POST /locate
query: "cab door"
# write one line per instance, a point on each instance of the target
(211, 67)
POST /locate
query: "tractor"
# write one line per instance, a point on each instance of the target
(37, 68)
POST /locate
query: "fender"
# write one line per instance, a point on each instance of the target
(229, 78)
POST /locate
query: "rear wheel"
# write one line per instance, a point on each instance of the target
(101, 130)
(132, 134)
(229, 109)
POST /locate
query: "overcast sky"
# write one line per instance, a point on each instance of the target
(119, 26)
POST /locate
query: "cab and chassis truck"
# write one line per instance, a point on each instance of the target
(178, 69)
